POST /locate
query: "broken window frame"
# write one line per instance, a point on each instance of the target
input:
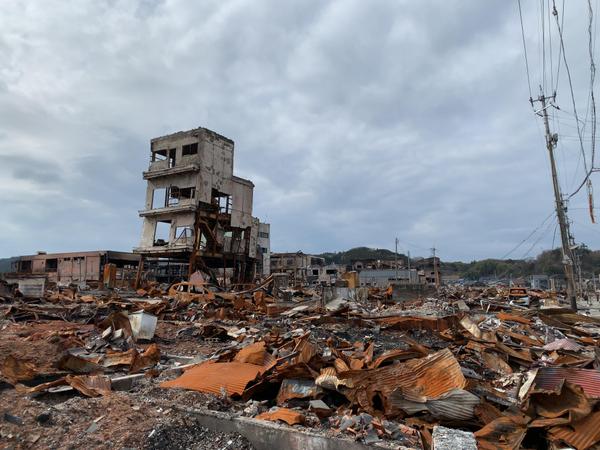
(51, 265)
(156, 239)
(189, 149)
(175, 194)
(26, 266)
(184, 232)
(162, 201)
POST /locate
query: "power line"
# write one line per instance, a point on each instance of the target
(562, 20)
(562, 46)
(525, 53)
(529, 235)
(542, 234)
(592, 78)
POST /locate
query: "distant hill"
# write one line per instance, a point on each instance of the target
(547, 262)
(5, 264)
(359, 253)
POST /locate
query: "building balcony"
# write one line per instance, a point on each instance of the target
(175, 209)
(161, 169)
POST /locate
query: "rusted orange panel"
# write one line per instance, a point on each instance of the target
(429, 377)
(512, 318)
(145, 360)
(567, 400)
(286, 415)
(256, 354)
(504, 433)
(90, 385)
(582, 434)
(548, 378)
(418, 323)
(496, 363)
(110, 275)
(15, 369)
(119, 358)
(300, 388)
(233, 377)
(394, 355)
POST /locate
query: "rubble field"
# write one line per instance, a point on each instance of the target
(470, 368)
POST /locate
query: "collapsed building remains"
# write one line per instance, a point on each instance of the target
(334, 368)
(196, 210)
(74, 267)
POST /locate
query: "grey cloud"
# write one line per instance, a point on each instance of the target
(358, 121)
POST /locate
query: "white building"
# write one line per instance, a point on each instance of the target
(264, 249)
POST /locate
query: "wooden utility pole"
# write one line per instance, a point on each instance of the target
(435, 269)
(396, 260)
(565, 235)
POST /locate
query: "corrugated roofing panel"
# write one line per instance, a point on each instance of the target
(582, 434)
(212, 377)
(548, 378)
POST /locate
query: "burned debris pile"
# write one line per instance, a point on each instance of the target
(471, 368)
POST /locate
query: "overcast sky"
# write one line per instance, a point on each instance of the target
(358, 121)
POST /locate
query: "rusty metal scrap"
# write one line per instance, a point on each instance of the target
(503, 433)
(297, 388)
(375, 371)
(90, 385)
(429, 377)
(15, 369)
(581, 434)
(289, 416)
(216, 378)
(549, 378)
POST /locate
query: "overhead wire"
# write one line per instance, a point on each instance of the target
(543, 22)
(528, 236)
(550, 47)
(560, 48)
(542, 234)
(525, 53)
(562, 45)
(586, 181)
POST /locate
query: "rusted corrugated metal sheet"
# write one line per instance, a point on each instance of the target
(417, 323)
(548, 378)
(563, 344)
(212, 377)
(503, 433)
(286, 415)
(427, 378)
(291, 389)
(582, 434)
(457, 404)
(256, 354)
(90, 385)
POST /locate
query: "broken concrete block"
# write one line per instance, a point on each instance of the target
(451, 439)
(320, 408)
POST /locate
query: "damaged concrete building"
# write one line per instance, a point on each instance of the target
(83, 268)
(196, 210)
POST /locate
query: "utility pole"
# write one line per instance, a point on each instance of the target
(396, 260)
(565, 235)
(435, 269)
(410, 280)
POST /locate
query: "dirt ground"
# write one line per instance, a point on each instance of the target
(145, 417)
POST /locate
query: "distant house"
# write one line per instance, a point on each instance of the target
(299, 266)
(74, 267)
(381, 278)
(539, 282)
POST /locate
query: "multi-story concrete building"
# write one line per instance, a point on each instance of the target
(196, 209)
(299, 266)
(383, 277)
(75, 267)
(264, 249)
